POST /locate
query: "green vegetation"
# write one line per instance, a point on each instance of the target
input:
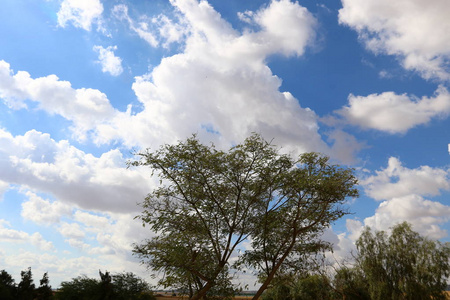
(401, 266)
(120, 286)
(26, 289)
(211, 201)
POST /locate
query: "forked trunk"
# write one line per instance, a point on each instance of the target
(202, 292)
(272, 273)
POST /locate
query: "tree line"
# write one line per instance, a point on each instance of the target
(119, 286)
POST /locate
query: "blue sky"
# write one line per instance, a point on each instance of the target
(84, 83)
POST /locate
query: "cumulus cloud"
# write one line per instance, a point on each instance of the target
(43, 211)
(396, 181)
(426, 216)
(403, 191)
(85, 107)
(71, 231)
(220, 85)
(110, 63)
(395, 113)
(17, 236)
(72, 176)
(415, 31)
(81, 13)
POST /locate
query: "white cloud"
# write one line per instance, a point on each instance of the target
(287, 27)
(142, 28)
(71, 231)
(13, 236)
(396, 181)
(395, 113)
(414, 30)
(345, 146)
(403, 190)
(96, 222)
(425, 216)
(103, 183)
(169, 31)
(220, 86)
(86, 108)
(4, 186)
(81, 13)
(110, 63)
(43, 211)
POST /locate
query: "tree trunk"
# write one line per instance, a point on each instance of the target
(200, 294)
(209, 284)
(272, 273)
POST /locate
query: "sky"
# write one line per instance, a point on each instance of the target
(85, 83)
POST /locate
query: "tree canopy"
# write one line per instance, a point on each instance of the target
(210, 201)
(403, 265)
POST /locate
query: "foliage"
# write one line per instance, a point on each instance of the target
(210, 201)
(128, 286)
(308, 199)
(81, 287)
(26, 287)
(121, 286)
(7, 286)
(44, 291)
(350, 284)
(310, 287)
(403, 265)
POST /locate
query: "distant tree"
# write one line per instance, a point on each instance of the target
(105, 285)
(26, 287)
(128, 286)
(403, 265)
(210, 201)
(44, 291)
(80, 288)
(120, 286)
(7, 286)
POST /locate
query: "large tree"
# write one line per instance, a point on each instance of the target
(308, 198)
(403, 265)
(210, 201)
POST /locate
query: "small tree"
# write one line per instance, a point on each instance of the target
(44, 291)
(128, 286)
(403, 265)
(26, 287)
(81, 287)
(7, 286)
(210, 201)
